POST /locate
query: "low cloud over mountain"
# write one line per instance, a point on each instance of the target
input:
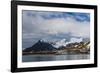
(53, 26)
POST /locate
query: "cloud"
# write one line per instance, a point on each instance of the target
(51, 25)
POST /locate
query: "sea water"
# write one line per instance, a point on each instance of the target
(37, 58)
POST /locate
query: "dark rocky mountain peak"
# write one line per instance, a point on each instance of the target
(41, 45)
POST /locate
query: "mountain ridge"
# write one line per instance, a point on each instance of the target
(44, 45)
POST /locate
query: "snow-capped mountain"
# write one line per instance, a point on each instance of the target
(63, 42)
(73, 40)
(44, 45)
(60, 43)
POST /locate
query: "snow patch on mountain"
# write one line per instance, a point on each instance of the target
(73, 40)
(60, 43)
(63, 42)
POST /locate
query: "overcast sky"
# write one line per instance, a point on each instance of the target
(53, 26)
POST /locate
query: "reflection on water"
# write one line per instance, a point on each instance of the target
(37, 58)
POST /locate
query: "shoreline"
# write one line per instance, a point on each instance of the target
(61, 52)
(57, 54)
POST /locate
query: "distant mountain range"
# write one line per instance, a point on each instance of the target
(43, 45)
(64, 42)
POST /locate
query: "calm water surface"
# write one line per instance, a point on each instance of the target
(37, 58)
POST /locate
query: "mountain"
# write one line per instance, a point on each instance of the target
(60, 43)
(44, 45)
(86, 39)
(41, 45)
(74, 45)
(64, 42)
